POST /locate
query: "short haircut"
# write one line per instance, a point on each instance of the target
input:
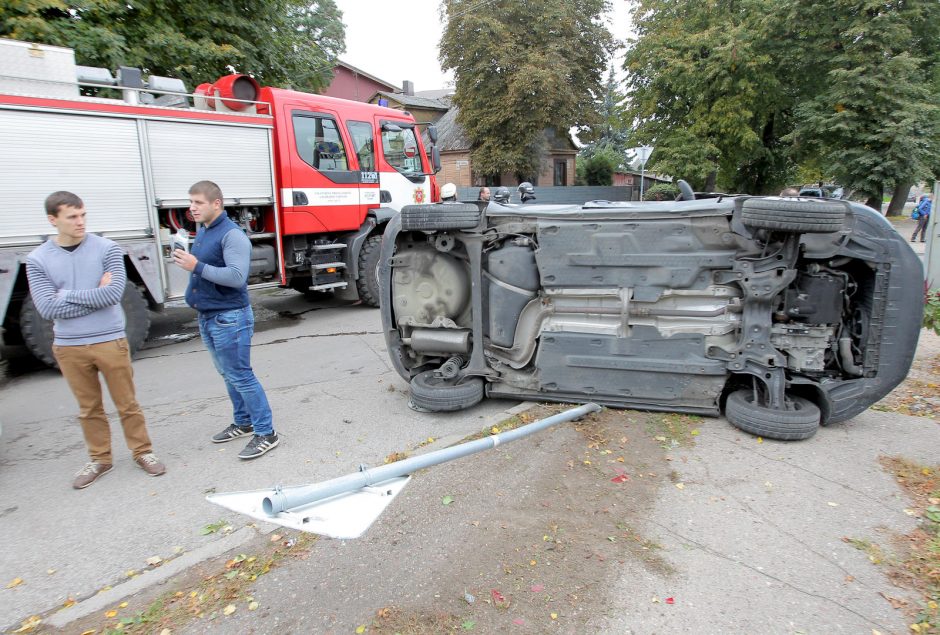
(208, 189)
(62, 198)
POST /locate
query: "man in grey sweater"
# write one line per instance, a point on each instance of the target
(77, 280)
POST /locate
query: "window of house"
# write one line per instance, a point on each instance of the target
(319, 142)
(363, 144)
(561, 172)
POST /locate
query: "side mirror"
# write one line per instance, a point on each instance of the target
(435, 159)
(432, 133)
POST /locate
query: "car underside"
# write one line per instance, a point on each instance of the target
(783, 314)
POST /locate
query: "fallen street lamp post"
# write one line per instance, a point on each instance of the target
(346, 506)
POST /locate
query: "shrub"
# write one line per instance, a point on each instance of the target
(661, 192)
(932, 310)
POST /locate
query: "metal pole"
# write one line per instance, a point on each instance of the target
(642, 175)
(932, 254)
(285, 499)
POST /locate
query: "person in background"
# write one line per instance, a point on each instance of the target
(449, 193)
(218, 290)
(484, 194)
(526, 192)
(77, 280)
(921, 214)
(790, 191)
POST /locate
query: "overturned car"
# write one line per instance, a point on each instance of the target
(782, 313)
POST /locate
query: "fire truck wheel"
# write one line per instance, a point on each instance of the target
(368, 281)
(440, 216)
(37, 331)
(432, 393)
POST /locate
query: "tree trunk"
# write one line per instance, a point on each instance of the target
(876, 199)
(710, 181)
(896, 206)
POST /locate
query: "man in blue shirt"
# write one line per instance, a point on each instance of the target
(922, 213)
(218, 290)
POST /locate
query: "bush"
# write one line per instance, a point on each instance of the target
(661, 192)
(932, 310)
(599, 168)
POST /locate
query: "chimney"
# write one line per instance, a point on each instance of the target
(408, 88)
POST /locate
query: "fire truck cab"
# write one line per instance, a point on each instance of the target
(312, 180)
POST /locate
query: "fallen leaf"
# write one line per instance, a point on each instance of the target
(154, 560)
(694, 432)
(670, 600)
(620, 478)
(760, 439)
(15, 582)
(468, 625)
(532, 563)
(130, 573)
(680, 485)
(519, 621)
(50, 571)
(228, 610)
(122, 605)
(361, 629)
(554, 616)
(538, 588)
(275, 537)
(494, 430)
(619, 459)
(178, 550)
(110, 614)
(447, 500)
(831, 504)
(91, 631)
(69, 602)
(29, 624)
(165, 631)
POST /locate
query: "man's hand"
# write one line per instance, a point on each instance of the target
(105, 279)
(184, 260)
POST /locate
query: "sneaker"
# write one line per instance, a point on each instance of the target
(234, 431)
(89, 474)
(258, 445)
(150, 464)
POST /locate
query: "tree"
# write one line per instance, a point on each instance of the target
(705, 87)
(608, 133)
(872, 119)
(279, 42)
(599, 167)
(522, 67)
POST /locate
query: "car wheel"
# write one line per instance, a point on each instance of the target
(799, 421)
(368, 282)
(439, 216)
(804, 217)
(433, 393)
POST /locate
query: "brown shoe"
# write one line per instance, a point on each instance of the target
(150, 464)
(89, 474)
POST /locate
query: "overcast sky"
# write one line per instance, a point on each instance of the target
(396, 40)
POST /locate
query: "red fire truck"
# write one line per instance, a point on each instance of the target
(311, 179)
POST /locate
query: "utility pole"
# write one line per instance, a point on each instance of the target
(643, 154)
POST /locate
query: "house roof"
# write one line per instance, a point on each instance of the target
(412, 101)
(359, 71)
(451, 136)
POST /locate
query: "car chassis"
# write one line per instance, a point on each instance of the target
(782, 313)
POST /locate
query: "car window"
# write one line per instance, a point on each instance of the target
(401, 150)
(363, 144)
(319, 143)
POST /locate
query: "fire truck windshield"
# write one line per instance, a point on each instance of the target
(401, 150)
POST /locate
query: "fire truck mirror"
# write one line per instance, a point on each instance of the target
(432, 133)
(435, 159)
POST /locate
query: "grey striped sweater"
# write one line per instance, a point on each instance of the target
(64, 286)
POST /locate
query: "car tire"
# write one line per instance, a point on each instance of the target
(368, 281)
(799, 421)
(439, 216)
(38, 335)
(433, 393)
(803, 217)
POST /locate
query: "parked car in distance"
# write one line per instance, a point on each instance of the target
(821, 191)
(783, 314)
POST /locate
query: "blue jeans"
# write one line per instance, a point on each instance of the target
(227, 335)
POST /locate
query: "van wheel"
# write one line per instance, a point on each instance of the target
(433, 393)
(38, 335)
(368, 281)
(801, 217)
(440, 216)
(799, 421)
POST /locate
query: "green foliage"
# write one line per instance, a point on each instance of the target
(932, 310)
(522, 68)
(661, 192)
(279, 42)
(599, 168)
(871, 118)
(609, 132)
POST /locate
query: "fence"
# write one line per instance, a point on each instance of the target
(576, 194)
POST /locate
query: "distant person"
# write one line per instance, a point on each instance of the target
(790, 191)
(449, 193)
(77, 280)
(526, 192)
(218, 290)
(921, 214)
(484, 194)
(501, 195)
